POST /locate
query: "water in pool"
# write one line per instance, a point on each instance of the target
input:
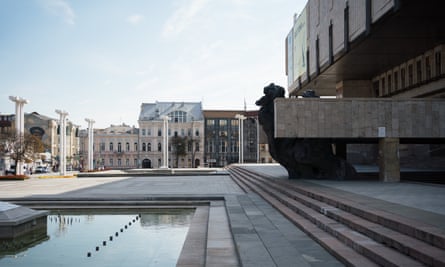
(143, 238)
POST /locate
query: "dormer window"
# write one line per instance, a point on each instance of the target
(178, 116)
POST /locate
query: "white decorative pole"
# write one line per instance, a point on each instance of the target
(240, 118)
(62, 142)
(19, 127)
(90, 144)
(165, 141)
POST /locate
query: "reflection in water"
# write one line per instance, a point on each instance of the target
(144, 239)
(63, 222)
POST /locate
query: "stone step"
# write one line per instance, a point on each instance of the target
(419, 250)
(367, 237)
(342, 252)
(413, 228)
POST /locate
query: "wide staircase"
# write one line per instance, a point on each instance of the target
(358, 235)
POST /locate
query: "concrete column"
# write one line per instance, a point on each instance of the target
(354, 88)
(62, 143)
(389, 162)
(19, 127)
(240, 118)
(90, 144)
(165, 141)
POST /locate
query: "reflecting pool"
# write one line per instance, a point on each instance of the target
(141, 238)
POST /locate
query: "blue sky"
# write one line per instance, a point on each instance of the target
(102, 59)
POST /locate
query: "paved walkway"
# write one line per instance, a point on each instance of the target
(262, 236)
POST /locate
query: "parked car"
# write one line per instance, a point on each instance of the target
(41, 169)
(11, 170)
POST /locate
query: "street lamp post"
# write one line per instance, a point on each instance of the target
(90, 144)
(165, 141)
(240, 118)
(19, 127)
(62, 142)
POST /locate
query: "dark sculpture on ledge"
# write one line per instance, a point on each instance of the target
(302, 157)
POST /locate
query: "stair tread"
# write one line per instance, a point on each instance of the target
(316, 223)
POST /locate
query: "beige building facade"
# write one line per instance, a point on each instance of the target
(47, 130)
(185, 120)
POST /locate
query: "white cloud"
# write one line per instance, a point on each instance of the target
(135, 19)
(61, 9)
(183, 17)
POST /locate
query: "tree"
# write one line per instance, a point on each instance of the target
(179, 145)
(192, 143)
(20, 147)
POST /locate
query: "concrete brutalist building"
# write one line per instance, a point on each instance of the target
(384, 62)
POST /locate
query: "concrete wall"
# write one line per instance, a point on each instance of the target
(359, 118)
(320, 15)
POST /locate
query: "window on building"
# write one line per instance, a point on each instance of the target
(159, 162)
(127, 146)
(119, 147)
(375, 86)
(119, 162)
(210, 122)
(210, 146)
(144, 147)
(149, 132)
(189, 146)
(396, 80)
(234, 123)
(111, 146)
(176, 133)
(159, 132)
(111, 162)
(438, 62)
(383, 81)
(389, 83)
(127, 162)
(182, 132)
(402, 78)
(169, 147)
(178, 116)
(197, 146)
(143, 131)
(419, 71)
(159, 147)
(149, 147)
(102, 146)
(135, 146)
(427, 68)
(135, 162)
(410, 75)
(223, 123)
(222, 146)
(233, 147)
(197, 132)
(189, 132)
(169, 132)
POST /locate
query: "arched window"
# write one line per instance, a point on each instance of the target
(111, 146)
(127, 146)
(159, 147)
(135, 146)
(119, 147)
(144, 148)
(149, 147)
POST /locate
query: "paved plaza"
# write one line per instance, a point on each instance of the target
(259, 235)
